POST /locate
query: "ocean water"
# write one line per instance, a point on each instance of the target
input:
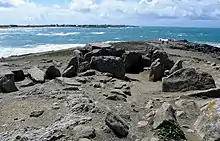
(19, 41)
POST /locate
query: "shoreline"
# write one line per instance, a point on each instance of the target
(199, 46)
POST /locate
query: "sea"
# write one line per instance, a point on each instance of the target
(19, 41)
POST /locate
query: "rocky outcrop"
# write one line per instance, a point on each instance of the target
(110, 64)
(52, 72)
(77, 53)
(187, 79)
(165, 124)
(133, 62)
(72, 68)
(36, 75)
(177, 66)
(117, 125)
(146, 62)
(156, 71)
(5, 71)
(84, 66)
(73, 62)
(207, 124)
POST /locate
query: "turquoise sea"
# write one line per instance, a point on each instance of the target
(17, 41)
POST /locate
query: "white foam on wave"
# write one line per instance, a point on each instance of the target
(97, 33)
(6, 52)
(58, 34)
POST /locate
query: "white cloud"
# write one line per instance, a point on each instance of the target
(107, 11)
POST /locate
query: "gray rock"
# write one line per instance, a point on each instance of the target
(165, 124)
(117, 125)
(207, 124)
(36, 75)
(73, 88)
(67, 81)
(36, 113)
(82, 131)
(98, 46)
(84, 66)
(52, 72)
(88, 73)
(177, 66)
(26, 83)
(133, 62)
(109, 64)
(165, 61)
(187, 79)
(70, 72)
(18, 75)
(81, 79)
(156, 71)
(7, 85)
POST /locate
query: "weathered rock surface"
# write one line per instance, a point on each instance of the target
(77, 53)
(187, 79)
(88, 73)
(165, 124)
(207, 124)
(177, 66)
(146, 62)
(18, 75)
(156, 71)
(52, 72)
(73, 62)
(93, 46)
(36, 113)
(109, 64)
(133, 62)
(5, 71)
(210, 93)
(117, 125)
(82, 131)
(36, 75)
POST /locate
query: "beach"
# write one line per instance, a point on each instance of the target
(83, 106)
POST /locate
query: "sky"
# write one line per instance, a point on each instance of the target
(196, 13)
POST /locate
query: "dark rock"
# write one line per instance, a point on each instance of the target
(165, 61)
(97, 85)
(146, 62)
(84, 66)
(73, 62)
(133, 62)
(165, 124)
(70, 72)
(81, 79)
(36, 75)
(18, 75)
(187, 79)
(73, 88)
(156, 71)
(109, 64)
(7, 85)
(177, 66)
(52, 72)
(117, 125)
(82, 131)
(88, 73)
(36, 113)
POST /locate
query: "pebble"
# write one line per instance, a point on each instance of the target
(36, 113)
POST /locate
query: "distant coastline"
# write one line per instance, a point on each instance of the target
(64, 25)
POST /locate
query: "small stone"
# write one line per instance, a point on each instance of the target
(88, 73)
(97, 85)
(127, 92)
(116, 98)
(119, 92)
(36, 113)
(117, 125)
(142, 124)
(56, 106)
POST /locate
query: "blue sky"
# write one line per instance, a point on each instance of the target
(135, 12)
